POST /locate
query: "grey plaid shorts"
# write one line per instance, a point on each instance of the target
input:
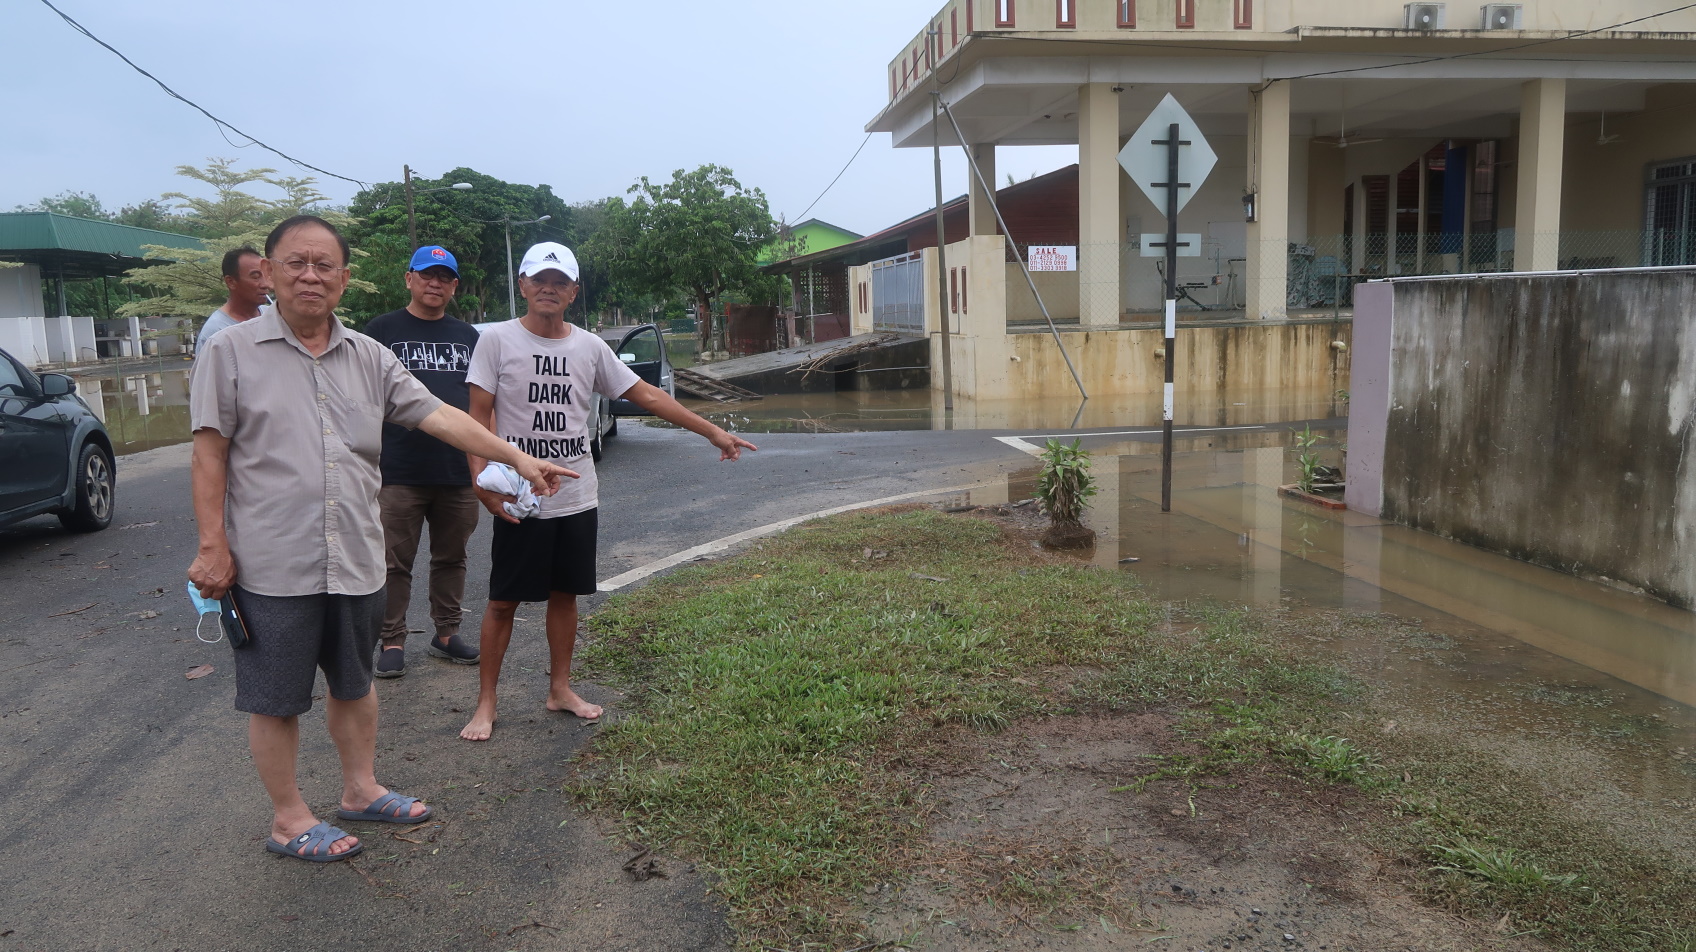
(293, 636)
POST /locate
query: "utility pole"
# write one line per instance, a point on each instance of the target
(941, 254)
(411, 222)
(512, 276)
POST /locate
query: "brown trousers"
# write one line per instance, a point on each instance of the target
(451, 512)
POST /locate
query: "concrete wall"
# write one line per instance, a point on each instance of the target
(1548, 417)
(26, 339)
(20, 292)
(1245, 356)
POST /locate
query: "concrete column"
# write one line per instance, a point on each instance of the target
(1537, 212)
(1100, 234)
(981, 215)
(1269, 178)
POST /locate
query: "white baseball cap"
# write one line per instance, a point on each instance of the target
(549, 255)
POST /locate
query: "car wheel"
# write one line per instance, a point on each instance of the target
(612, 428)
(96, 491)
(595, 448)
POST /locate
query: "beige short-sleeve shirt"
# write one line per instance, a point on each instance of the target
(305, 436)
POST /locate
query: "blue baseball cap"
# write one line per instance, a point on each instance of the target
(433, 256)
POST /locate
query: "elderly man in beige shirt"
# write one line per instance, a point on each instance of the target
(287, 411)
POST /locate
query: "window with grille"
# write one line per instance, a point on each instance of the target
(1670, 213)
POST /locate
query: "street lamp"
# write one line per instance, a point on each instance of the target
(411, 223)
(512, 276)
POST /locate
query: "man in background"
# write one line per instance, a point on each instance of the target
(249, 290)
(426, 481)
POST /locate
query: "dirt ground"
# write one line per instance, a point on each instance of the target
(1036, 843)
(1036, 840)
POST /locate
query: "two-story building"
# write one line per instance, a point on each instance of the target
(1354, 140)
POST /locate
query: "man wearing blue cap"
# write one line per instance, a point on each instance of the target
(426, 481)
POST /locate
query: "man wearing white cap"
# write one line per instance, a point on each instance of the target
(531, 381)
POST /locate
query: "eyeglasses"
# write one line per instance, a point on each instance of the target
(438, 275)
(295, 267)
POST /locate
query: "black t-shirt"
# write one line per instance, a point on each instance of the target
(438, 353)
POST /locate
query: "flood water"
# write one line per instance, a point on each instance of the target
(847, 411)
(143, 404)
(1525, 661)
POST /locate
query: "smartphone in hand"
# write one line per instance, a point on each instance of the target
(235, 627)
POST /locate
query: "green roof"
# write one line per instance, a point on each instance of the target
(80, 247)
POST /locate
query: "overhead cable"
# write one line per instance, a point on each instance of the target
(221, 124)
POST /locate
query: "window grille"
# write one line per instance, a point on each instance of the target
(1669, 209)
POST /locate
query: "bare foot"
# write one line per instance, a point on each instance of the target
(570, 703)
(482, 724)
(283, 836)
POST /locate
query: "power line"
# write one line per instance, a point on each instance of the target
(827, 188)
(221, 124)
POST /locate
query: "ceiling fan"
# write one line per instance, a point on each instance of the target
(1602, 137)
(1342, 140)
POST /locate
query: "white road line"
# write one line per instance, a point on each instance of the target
(1022, 445)
(719, 545)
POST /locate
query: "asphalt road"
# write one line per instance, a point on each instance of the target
(133, 818)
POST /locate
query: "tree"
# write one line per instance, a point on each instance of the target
(191, 282)
(468, 223)
(699, 234)
(151, 213)
(75, 204)
(232, 210)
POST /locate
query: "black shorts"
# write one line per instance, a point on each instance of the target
(295, 635)
(539, 556)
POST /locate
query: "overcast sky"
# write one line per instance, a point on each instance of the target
(582, 96)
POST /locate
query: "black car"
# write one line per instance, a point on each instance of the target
(55, 455)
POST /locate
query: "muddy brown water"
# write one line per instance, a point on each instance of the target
(1592, 686)
(144, 404)
(851, 411)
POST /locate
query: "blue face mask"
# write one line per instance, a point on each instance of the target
(205, 606)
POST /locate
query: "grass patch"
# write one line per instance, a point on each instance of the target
(766, 685)
(771, 694)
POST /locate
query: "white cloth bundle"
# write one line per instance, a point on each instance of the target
(503, 479)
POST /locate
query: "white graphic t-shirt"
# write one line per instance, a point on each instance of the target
(542, 394)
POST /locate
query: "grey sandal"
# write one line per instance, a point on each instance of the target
(306, 846)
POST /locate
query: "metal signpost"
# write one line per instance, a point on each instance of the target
(1168, 159)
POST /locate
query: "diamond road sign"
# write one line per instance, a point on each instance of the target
(1147, 163)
